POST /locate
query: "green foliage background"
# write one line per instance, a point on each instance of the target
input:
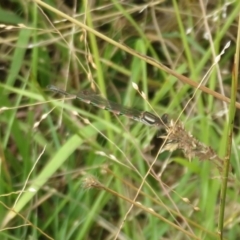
(72, 171)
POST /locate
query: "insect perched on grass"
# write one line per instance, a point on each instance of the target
(100, 102)
(176, 137)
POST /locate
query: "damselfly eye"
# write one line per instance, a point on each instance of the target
(165, 119)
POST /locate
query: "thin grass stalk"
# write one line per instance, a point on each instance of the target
(96, 54)
(232, 111)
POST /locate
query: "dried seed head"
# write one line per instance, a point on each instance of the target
(178, 138)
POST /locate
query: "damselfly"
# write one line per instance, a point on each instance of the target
(100, 102)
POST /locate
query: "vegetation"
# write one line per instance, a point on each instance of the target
(70, 170)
